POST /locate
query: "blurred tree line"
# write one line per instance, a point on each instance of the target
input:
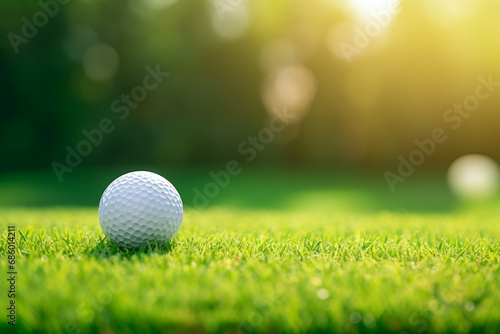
(222, 57)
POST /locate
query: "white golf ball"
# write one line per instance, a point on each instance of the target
(474, 177)
(140, 207)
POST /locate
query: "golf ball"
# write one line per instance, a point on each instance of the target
(474, 177)
(140, 207)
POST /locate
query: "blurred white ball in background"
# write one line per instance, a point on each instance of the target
(474, 177)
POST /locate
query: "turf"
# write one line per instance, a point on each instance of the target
(251, 271)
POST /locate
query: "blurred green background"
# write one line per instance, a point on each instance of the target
(233, 65)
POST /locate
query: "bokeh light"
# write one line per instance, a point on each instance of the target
(100, 62)
(241, 61)
(292, 87)
(456, 11)
(366, 8)
(231, 20)
(474, 177)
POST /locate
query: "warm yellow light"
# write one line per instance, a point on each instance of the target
(366, 8)
(292, 88)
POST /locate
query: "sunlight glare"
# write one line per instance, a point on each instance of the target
(365, 8)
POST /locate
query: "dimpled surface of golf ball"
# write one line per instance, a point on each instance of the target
(140, 207)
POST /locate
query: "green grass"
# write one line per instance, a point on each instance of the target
(246, 270)
(255, 188)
